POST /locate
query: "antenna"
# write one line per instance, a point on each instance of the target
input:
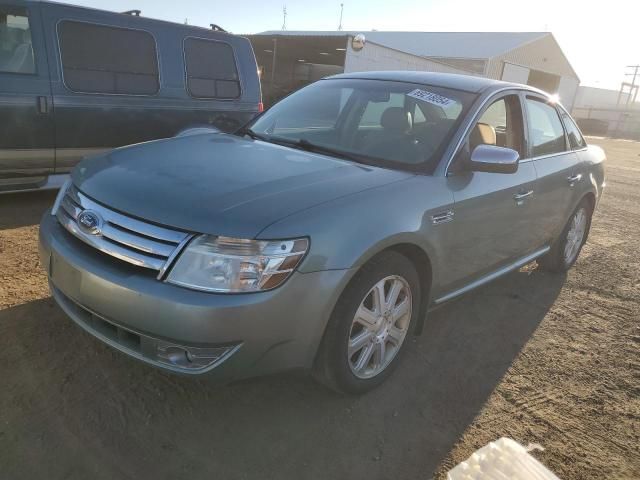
(341, 10)
(284, 17)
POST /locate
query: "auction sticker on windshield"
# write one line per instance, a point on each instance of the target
(432, 98)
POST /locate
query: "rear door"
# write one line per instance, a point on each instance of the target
(558, 166)
(26, 117)
(491, 221)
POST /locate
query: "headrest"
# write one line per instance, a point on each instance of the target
(396, 119)
(483, 134)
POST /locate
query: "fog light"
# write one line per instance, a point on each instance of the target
(176, 355)
(192, 358)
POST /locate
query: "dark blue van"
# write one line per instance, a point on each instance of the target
(76, 81)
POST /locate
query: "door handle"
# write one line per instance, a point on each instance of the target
(573, 179)
(519, 197)
(43, 105)
(442, 217)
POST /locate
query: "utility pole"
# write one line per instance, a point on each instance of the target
(341, 11)
(633, 90)
(284, 17)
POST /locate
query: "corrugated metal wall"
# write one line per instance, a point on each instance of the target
(376, 57)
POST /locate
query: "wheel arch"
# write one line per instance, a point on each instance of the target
(419, 257)
(424, 268)
(591, 198)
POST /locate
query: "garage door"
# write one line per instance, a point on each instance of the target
(515, 73)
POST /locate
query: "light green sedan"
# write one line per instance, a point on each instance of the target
(319, 236)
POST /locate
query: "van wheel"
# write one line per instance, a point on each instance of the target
(566, 249)
(364, 340)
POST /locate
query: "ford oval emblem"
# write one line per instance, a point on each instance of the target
(90, 222)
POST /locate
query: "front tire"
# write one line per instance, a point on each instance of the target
(364, 340)
(566, 249)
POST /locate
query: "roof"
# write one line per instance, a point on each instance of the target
(480, 45)
(467, 83)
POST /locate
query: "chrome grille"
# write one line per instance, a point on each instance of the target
(133, 241)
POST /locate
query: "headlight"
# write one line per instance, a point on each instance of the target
(223, 264)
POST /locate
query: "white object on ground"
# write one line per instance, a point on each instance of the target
(504, 459)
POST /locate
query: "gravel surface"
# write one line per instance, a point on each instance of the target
(552, 359)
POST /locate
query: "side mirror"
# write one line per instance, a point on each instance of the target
(493, 159)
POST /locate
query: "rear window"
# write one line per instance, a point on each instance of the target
(211, 69)
(101, 59)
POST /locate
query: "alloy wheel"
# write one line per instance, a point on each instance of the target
(575, 235)
(379, 326)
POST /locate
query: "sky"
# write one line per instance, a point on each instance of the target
(600, 38)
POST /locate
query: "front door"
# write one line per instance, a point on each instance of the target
(26, 115)
(491, 224)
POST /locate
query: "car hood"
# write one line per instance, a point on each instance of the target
(220, 184)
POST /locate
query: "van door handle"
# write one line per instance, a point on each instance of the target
(519, 197)
(573, 179)
(43, 105)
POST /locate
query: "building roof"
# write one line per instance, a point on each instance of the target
(480, 45)
(467, 83)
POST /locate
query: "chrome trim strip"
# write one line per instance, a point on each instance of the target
(136, 242)
(133, 241)
(137, 226)
(177, 251)
(110, 248)
(492, 276)
(442, 217)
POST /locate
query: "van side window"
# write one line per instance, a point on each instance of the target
(575, 137)
(101, 59)
(546, 134)
(211, 69)
(16, 51)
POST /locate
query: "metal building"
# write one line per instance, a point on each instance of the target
(291, 59)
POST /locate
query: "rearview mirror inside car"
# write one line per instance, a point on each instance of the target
(494, 159)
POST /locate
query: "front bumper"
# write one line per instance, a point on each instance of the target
(231, 335)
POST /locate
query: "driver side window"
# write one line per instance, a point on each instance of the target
(501, 125)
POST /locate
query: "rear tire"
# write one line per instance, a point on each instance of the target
(366, 334)
(566, 249)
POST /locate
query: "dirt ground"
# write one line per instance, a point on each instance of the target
(543, 358)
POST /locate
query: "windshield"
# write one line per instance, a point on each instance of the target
(393, 124)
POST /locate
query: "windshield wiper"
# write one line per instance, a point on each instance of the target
(250, 133)
(306, 145)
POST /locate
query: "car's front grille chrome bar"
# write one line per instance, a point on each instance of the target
(128, 239)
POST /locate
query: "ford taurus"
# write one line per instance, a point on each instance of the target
(320, 235)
